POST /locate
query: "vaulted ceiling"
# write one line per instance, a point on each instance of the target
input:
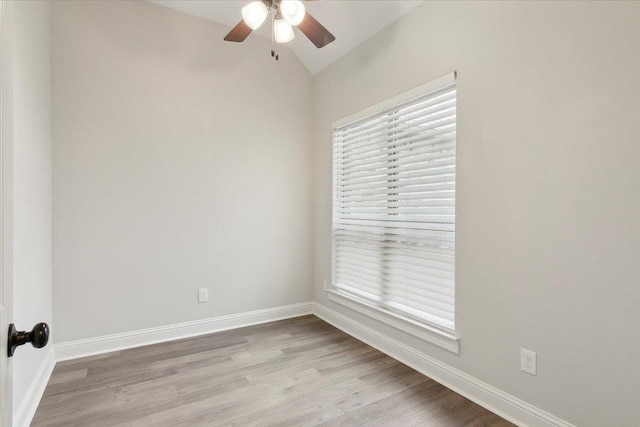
(351, 21)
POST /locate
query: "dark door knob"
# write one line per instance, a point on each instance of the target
(38, 337)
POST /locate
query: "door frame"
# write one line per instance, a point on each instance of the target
(6, 210)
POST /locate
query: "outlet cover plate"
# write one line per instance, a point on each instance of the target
(528, 361)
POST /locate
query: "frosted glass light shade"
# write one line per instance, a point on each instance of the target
(282, 31)
(292, 11)
(254, 14)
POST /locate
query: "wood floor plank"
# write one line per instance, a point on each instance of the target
(62, 377)
(295, 372)
(378, 392)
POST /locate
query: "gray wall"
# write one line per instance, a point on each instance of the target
(31, 184)
(158, 191)
(548, 205)
(180, 162)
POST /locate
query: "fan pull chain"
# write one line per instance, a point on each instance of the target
(274, 53)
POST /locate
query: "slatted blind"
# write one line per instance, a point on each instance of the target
(394, 206)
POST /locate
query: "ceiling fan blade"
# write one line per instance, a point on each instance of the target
(315, 32)
(239, 33)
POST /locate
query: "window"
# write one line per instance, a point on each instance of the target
(394, 205)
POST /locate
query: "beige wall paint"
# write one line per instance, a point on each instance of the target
(180, 162)
(548, 206)
(32, 284)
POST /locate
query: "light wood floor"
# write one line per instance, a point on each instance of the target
(297, 372)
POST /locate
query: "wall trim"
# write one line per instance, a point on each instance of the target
(495, 400)
(107, 343)
(27, 408)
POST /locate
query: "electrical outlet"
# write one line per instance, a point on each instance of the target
(528, 361)
(325, 284)
(203, 295)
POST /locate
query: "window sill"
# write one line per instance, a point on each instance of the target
(427, 333)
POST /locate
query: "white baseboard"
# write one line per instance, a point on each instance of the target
(497, 401)
(107, 343)
(27, 408)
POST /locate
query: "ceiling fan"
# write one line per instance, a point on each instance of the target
(285, 14)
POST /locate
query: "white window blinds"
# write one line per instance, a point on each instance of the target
(394, 205)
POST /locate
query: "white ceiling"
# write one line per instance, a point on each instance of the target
(351, 21)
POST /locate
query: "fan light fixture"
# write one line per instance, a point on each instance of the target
(282, 31)
(285, 14)
(292, 11)
(254, 14)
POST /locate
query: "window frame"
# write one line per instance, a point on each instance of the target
(440, 336)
